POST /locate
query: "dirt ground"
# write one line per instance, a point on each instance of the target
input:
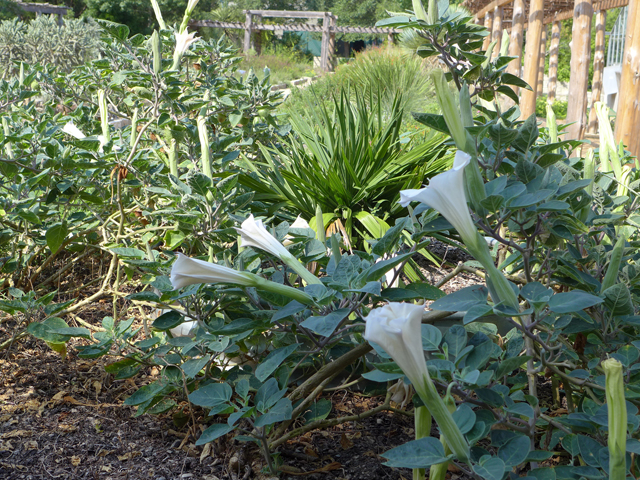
(64, 418)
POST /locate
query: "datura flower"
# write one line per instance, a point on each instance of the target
(445, 193)
(299, 223)
(71, 129)
(189, 271)
(183, 41)
(396, 328)
(254, 234)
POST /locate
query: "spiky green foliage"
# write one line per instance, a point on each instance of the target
(350, 161)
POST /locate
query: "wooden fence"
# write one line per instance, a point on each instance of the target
(328, 29)
(40, 8)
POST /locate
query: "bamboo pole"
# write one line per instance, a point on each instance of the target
(580, 59)
(628, 115)
(331, 51)
(515, 40)
(598, 68)
(324, 48)
(541, 64)
(496, 34)
(488, 24)
(532, 58)
(554, 49)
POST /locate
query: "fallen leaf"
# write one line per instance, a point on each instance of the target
(104, 453)
(59, 396)
(206, 451)
(31, 445)
(311, 452)
(327, 468)
(105, 468)
(345, 442)
(67, 428)
(98, 387)
(75, 460)
(128, 456)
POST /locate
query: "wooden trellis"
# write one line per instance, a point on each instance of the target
(533, 17)
(328, 29)
(44, 8)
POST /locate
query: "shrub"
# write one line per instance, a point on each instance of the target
(378, 73)
(43, 41)
(559, 107)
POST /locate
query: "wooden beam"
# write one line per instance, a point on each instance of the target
(580, 60)
(331, 52)
(532, 58)
(541, 64)
(554, 49)
(598, 68)
(628, 115)
(488, 24)
(288, 14)
(515, 40)
(491, 7)
(604, 5)
(496, 34)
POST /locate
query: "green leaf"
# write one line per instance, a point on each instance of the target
(319, 410)
(511, 79)
(465, 418)
(617, 299)
(192, 367)
(213, 432)
(492, 469)
(211, 394)
(288, 310)
(117, 30)
(128, 252)
(527, 134)
(381, 377)
(146, 393)
(147, 296)
(456, 338)
(573, 301)
(508, 365)
(420, 453)
(273, 361)
(462, 300)
(326, 325)
(168, 320)
(391, 237)
(431, 338)
(55, 235)
(589, 450)
(279, 412)
(432, 120)
(626, 355)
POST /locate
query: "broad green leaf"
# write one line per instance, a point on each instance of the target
(420, 453)
(279, 412)
(213, 432)
(211, 394)
(273, 361)
(431, 338)
(146, 393)
(168, 320)
(318, 410)
(326, 325)
(492, 469)
(55, 235)
(573, 301)
(462, 300)
(192, 367)
(508, 365)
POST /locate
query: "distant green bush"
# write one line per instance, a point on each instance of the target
(377, 73)
(43, 41)
(559, 107)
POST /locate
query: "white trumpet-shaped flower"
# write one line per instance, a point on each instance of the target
(445, 193)
(254, 234)
(183, 41)
(184, 329)
(299, 223)
(396, 328)
(71, 129)
(188, 271)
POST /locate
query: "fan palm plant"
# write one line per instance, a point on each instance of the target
(352, 162)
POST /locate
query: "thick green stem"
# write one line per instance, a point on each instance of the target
(422, 423)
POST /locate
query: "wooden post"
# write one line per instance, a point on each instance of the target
(543, 51)
(554, 49)
(515, 41)
(331, 52)
(580, 59)
(247, 32)
(496, 34)
(257, 38)
(532, 58)
(488, 24)
(324, 48)
(598, 67)
(390, 39)
(628, 115)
